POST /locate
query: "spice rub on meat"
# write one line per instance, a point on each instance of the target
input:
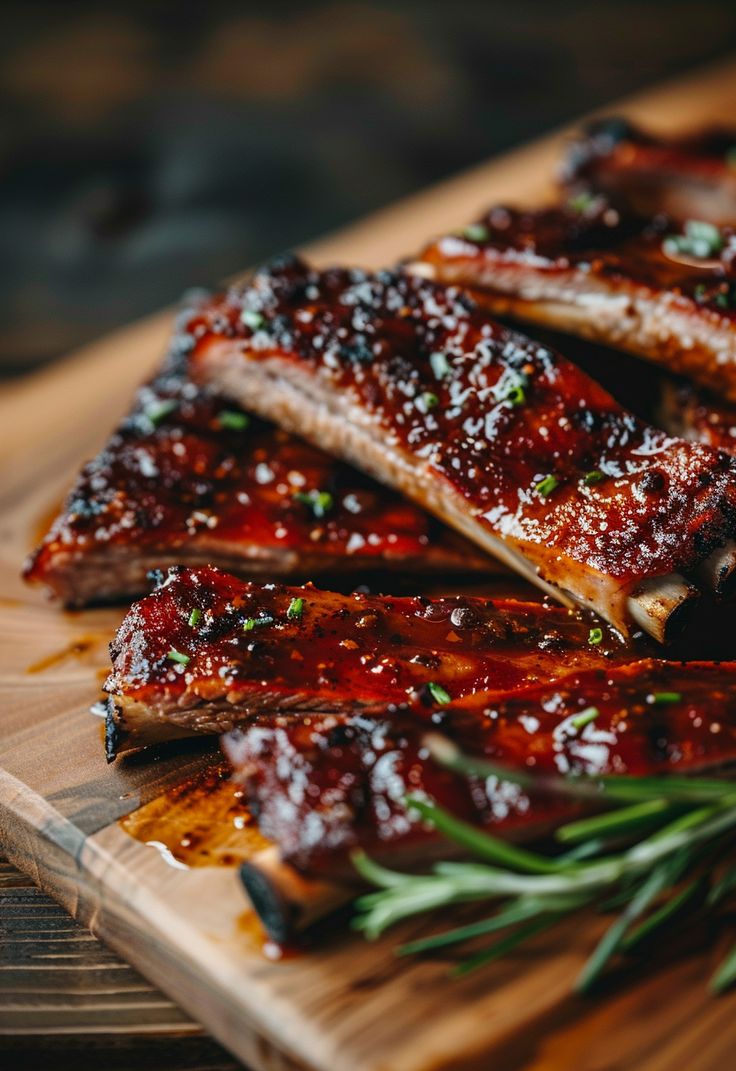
(191, 478)
(498, 436)
(659, 288)
(207, 651)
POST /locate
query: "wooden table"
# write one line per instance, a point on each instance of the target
(63, 993)
(660, 1021)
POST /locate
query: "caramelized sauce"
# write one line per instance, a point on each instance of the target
(201, 822)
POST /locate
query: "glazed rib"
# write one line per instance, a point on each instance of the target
(190, 478)
(695, 414)
(646, 717)
(688, 177)
(206, 651)
(498, 436)
(661, 290)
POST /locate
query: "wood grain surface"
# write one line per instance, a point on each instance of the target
(346, 1005)
(63, 992)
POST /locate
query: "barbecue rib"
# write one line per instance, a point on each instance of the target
(691, 177)
(694, 414)
(206, 651)
(642, 718)
(498, 436)
(190, 478)
(661, 290)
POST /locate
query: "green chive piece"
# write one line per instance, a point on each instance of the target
(582, 202)
(516, 395)
(476, 232)
(662, 698)
(438, 693)
(320, 502)
(585, 717)
(595, 636)
(233, 420)
(700, 292)
(195, 617)
(294, 612)
(546, 486)
(251, 319)
(593, 477)
(159, 410)
(256, 622)
(427, 401)
(699, 239)
(440, 365)
(177, 656)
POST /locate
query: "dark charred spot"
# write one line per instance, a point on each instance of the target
(653, 481)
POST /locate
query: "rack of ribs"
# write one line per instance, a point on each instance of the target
(190, 478)
(498, 436)
(207, 651)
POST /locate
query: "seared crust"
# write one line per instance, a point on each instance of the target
(189, 478)
(360, 770)
(207, 651)
(492, 432)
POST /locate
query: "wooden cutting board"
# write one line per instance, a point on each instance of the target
(350, 1005)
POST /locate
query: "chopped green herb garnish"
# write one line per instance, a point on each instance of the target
(721, 300)
(251, 319)
(438, 693)
(699, 239)
(177, 656)
(582, 202)
(160, 409)
(700, 292)
(440, 365)
(661, 698)
(516, 395)
(595, 636)
(546, 486)
(195, 617)
(296, 606)
(233, 420)
(476, 232)
(585, 717)
(427, 401)
(256, 622)
(593, 477)
(320, 502)
(511, 387)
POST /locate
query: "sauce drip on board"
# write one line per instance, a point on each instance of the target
(203, 821)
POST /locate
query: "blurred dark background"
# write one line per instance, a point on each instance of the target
(149, 147)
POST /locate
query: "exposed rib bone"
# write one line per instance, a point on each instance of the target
(285, 901)
(718, 572)
(662, 606)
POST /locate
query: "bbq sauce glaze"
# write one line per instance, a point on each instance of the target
(542, 455)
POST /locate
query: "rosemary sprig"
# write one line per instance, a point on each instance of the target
(633, 855)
